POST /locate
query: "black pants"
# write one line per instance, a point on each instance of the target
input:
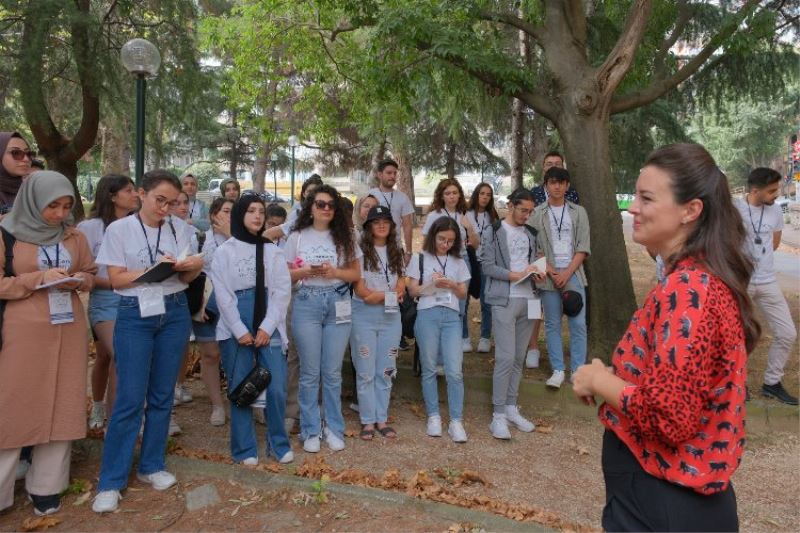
(637, 501)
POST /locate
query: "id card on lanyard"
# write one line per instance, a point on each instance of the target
(151, 298)
(60, 301)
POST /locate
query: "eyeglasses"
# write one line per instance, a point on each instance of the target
(444, 240)
(164, 202)
(18, 154)
(323, 205)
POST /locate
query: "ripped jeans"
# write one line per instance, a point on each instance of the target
(374, 342)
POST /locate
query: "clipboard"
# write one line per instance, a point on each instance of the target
(157, 273)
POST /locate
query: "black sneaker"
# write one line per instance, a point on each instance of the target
(779, 393)
(45, 505)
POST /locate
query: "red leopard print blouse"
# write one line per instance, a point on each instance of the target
(685, 360)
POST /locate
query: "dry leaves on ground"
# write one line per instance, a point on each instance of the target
(40, 524)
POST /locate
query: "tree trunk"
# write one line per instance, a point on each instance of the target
(260, 167)
(517, 139)
(539, 142)
(450, 162)
(116, 152)
(610, 292)
(405, 176)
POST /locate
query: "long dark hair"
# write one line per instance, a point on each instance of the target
(718, 235)
(439, 225)
(473, 201)
(438, 196)
(103, 206)
(394, 253)
(340, 227)
(313, 179)
(217, 205)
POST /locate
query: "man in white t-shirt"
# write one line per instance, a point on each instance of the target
(398, 202)
(763, 221)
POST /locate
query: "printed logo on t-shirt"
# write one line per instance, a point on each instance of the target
(246, 268)
(316, 255)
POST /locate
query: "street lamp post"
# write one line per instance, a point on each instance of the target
(140, 58)
(274, 158)
(294, 143)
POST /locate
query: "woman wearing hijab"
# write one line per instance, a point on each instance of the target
(253, 288)
(44, 340)
(15, 165)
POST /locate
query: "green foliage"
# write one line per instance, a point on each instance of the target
(204, 172)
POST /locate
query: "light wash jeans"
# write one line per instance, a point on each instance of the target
(438, 330)
(320, 347)
(551, 305)
(373, 349)
(237, 360)
(147, 355)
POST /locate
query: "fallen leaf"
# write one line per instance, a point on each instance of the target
(544, 429)
(268, 467)
(40, 524)
(83, 498)
(418, 411)
(469, 477)
(583, 450)
(350, 433)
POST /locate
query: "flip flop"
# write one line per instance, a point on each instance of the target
(387, 432)
(366, 434)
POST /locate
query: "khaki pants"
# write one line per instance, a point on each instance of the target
(769, 298)
(48, 474)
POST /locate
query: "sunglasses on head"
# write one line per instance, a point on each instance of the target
(18, 154)
(323, 205)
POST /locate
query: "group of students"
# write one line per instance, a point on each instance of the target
(673, 397)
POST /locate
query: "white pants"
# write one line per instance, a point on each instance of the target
(48, 474)
(770, 300)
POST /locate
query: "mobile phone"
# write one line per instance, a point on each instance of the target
(316, 266)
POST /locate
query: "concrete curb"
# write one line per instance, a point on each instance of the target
(188, 468)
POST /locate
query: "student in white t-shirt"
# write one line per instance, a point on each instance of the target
(115, 198)
(361, 210)
(150, 335)
(253, 290)
(482, 214)
(449, 201)
(398, 202)
(375, 339)
(323, 262)
(440, 286)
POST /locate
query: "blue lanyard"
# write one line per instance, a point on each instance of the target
(49, 261)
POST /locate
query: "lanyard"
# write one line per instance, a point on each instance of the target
(58, 260)
(385, 269)
(760, 220)
(191, 212)
(443, 265)
(147, 241)
(453, 216)
(481, 227)
(560, 222)
(388, 202)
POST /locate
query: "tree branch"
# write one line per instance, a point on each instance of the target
(576, 19)
(684, 15)
(618, 62)
(84, 138)
(659, 86)
(536, 32)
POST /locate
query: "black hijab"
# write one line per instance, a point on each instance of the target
(238, 231)
(9, 185)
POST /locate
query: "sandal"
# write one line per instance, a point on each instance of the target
(387, 432)
(366, 434)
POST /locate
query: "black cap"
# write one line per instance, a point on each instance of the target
(571, 303)
(378, 212)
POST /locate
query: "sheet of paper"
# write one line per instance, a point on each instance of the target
(57, 282)
(540, 264)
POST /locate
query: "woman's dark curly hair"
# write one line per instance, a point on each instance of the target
(438, 196)
(340, 226)
(490, 209)
(393, 251)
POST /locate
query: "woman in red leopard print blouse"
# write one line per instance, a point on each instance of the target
(674, 395)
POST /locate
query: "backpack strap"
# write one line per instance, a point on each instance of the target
(421, 275)
(8, 243)
(201, 241)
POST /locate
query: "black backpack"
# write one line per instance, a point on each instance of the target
(8, 271)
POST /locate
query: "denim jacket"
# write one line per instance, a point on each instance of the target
(495, 262)
(580, 237)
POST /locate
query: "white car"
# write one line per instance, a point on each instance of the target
(213, 187)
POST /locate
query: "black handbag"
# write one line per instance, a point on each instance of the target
(250, 387)
(8, 271)
(408, 308)
(474, 288)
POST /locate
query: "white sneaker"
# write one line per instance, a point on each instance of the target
(288, 457)
(98, 417)
(499, 427)
(456, 431)
(183, 393)
(311, 444)
(556, 379)
(22, 469)
(514, 417)
(333, 441)
(484, 345)
(440, 370)
(217, 415)
(466, 345)
(532, 359)
(161, 480)
(250, 461)
(106, 501)
(174, 428)
(434, 426)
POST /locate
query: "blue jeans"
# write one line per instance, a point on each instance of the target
(551, 305)
(320, 347)
(237, 361)
(438, 329)
(373, 349)
(148, 354)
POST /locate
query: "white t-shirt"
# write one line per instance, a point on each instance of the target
(383, 279)
(125, 245)
(94, 230)
(234, 269)
(453, 267)
(398, 203)
(561, 234)
(314, 248)
(760, 229)
(54, 256)
(481, 222)
(183, 227)
(433, 216)
(519, 249)
(210, 244)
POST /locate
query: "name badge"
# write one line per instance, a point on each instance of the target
(443, 297)
(562, 247)
(151, 301)
(534, 309)
(343, 311)
(390, 303)
(60, 306)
